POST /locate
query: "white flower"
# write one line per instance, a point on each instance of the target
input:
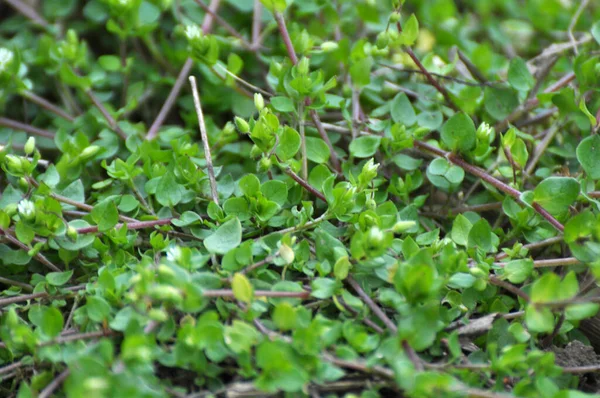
(193, 32)
(26, 208)
(6, 57)
(174, 254)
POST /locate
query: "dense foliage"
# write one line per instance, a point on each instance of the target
(370, 197)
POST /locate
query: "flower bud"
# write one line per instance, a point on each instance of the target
(286, 253)
(23, 184)
(264, 164)
(395, 17)
(165, 293)
(158, 315)
(11, 209)
(375, 236)
(328, 46)
(255, 152)
(29, 146)
(228, 129)
(72, 232)
(89, 151)
(483, 131)
(402, 226)
(242, 125)
(14, 164)
(383, 40)
(303, 66)
(259, 101)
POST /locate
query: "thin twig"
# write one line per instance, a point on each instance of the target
(305, 184)
(509, 287)
(256, 24)
(574, 20)
(15, 125)
(439, 87)
(205, 143)
(216, 293)
(130, 226)
(183, 74)
(258, 264)
(44, 103)
(38, 256)
(50, 388)
(438, 75)
(11, 282)
(476, 171)
(371, 304)
(106, 114)
(29, 12)
(313, 113)
(225, 24)
(25, 297)
(541, 148)
(534, 245)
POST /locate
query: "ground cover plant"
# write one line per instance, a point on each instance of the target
(311, 198)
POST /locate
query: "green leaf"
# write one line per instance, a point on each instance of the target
(460, 230)
(105, 214)
(444, 174)
(227, 237)
(461, 280)
(275, 5)
(284, 316)
(587, 154)
(519, 76)
(500, 102)
(584, 109)
(52, 322)
(546, 288)
(240, 337)
(283, 104)
(596, 31)
(480, 236)
(168, 192)
(517, 271)
(402, 110)
(556, 194)
(242, 288)
(97, 308)
(539, 320)
(410, 31)
(365, 146)
(317, 150)
(323, 288)
(458, 133)
(148, 13)
(289, 144)
(249, 185)
(58, 278)
(577, 312)
(110, 63)
(275, 191)
(360, 72)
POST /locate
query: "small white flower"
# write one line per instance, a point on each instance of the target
(6, 57)
(193, 32)
(174, 254)
(26, 208)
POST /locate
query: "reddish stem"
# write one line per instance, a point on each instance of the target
(476, 171)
